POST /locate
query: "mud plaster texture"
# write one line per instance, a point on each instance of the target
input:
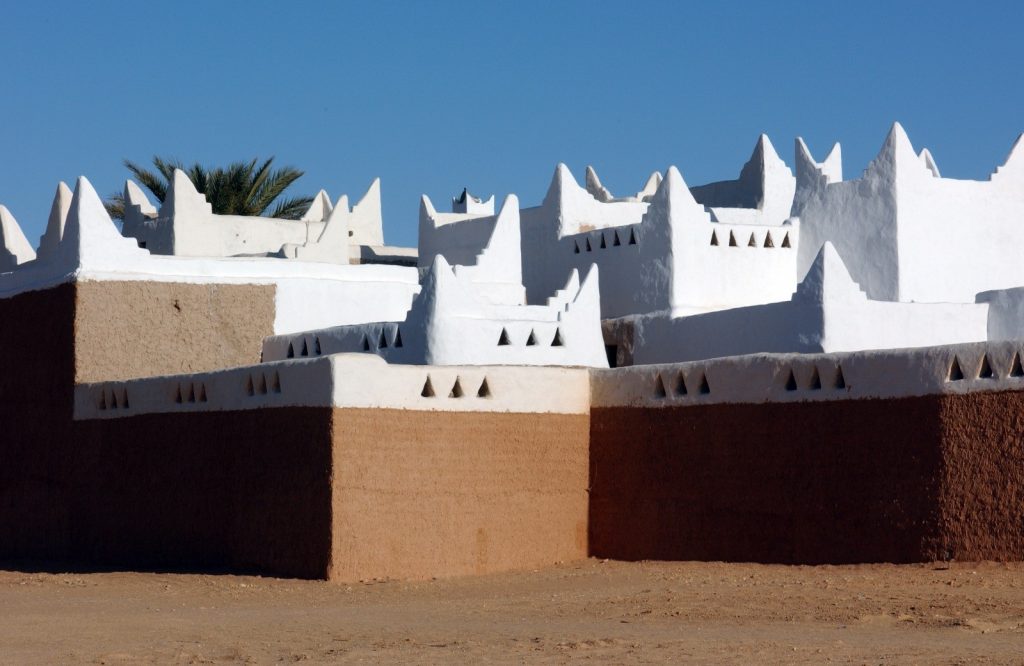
(125, 330)
(915, 479)
(423, 494)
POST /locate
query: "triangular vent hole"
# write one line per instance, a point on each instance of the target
(768, 242)
(632, 237)
(791, 382)
(428, 389)
(955, 373)
(752, 242)
(659, 387)
(177, 396)
(681, 385)
(503, 338)
(589, 249)
(277, 383)
(485, 390)
(840, 382)
(191, 392)
(1015, 368)
(532, 340)
(732, 240)
(398, 337)
(714, 238)
(615, 239)
(316, 346)
(604, 245)
(704, 387)
(557, 340)
(113, 399)
(291, 351)
(986, 369)
(576, 248)
(815, 381)
(125, 403)
(785, 240)
(456, 391)
(202, 393)
(249, 389)
(383, 344)
(366, 343)
(305, 348)
(263, 384)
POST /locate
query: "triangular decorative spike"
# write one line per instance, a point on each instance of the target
(503, 338)
(752, 242)
(202, 393)
(305, 348)
(531, 340)
(249, 388)
(632, 236)
(191, 392)
(428, 389)
(277, 383)
(659, 387)
(732, 240)
(985, 372)
(681, 385)
(705, 388)
(366, 343)
(604, 245)
(383, 341)
(485, 390)
(791, 382)
(1016, 370)
(576, 247)
(955, 373)
(714, 238)
(815, 381)
(398, 337)
(768, 240)
(589, 249)
(557, 340)
(263, 384)
(177, 396)
(785, 240)
(316, 346)
(615, 239)
(456, 391)
(291, 351)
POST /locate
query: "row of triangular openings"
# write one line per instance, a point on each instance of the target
(679, 387)
(113, 402)
(768, 242)
(603, 243)
(457, 391)
(985, 370)
(838, 382)
(191, 395)
(305, 348)
(261, 385)
(531, 340)
(382, 340)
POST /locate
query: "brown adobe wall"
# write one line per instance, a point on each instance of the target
(125, 330)
(423, 494)
(913, 479)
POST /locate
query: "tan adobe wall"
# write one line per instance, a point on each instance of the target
(142, 329)
(424, 494)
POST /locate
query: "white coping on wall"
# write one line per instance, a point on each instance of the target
(344, 381)
(760, 378)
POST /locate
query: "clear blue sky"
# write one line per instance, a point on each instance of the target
(432, 96)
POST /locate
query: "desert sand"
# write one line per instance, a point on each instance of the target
(594, 610)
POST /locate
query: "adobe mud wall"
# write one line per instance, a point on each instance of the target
(422, 494)
(125, 330)
(912, 479)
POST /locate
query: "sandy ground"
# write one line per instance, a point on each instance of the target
(598, 611)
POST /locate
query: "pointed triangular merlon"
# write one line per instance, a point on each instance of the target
(14, 247)
(57, 221)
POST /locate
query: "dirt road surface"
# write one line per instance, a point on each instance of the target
(603, 612)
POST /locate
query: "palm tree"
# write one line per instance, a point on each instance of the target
(243, 188)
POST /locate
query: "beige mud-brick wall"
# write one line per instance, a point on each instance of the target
(422, 494)
(142, 329)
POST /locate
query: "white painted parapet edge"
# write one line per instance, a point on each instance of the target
(342, 380)
(761, 378)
